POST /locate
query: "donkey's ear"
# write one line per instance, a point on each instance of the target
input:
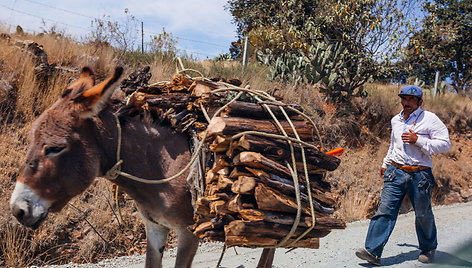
(96, 97)
(85, 82)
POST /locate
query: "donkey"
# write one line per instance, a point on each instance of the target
(75, 141)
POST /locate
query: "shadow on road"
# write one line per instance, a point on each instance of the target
(459, 258)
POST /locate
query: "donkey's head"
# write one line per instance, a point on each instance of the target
(63, 157)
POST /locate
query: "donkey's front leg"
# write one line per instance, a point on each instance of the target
(156, 235)
(187, 247)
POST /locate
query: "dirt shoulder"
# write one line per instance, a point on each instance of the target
(454, 225)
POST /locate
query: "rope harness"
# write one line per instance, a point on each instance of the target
(264, 99)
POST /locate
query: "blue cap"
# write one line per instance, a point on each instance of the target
(412, 91)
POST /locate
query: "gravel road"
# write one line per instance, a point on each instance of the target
(454, 225)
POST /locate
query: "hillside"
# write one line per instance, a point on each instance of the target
(34, 73)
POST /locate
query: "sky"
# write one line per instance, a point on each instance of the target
(202, 28)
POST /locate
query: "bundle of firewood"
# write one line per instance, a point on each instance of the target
(250, 191)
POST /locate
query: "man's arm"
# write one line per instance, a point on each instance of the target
(439, 138)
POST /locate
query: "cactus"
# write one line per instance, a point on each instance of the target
(324, 62)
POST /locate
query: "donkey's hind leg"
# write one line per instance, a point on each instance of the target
(187, 247)
(156, 242)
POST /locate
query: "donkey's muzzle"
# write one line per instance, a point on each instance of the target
(27, 207)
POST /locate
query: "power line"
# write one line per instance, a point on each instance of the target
(39, 17)
(86, 16)
(191, 40)
(61, 9)
(194, 52)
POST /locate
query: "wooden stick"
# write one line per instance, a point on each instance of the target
(256, 160)
(232, 125)
(322, 223)
(268, 229)
(257, 111)
(286, 187)
(280, 150)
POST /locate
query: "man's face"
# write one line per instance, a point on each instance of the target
(410, 103)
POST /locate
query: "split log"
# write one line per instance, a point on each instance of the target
(256, 160)
(203, 203)
(200, 87)
(235, 204)
(244, 185)
(219, 164)
(224, 172)
(257, 110)
(287, 187)
(260, 241)
(219, 207)
(180, 82)
(215, 224)
(224, 183)
(220, 145)
(239, 171)
(214, 235)
(273, 200)
(268, 229)
(268, 199)
(232, 125)
(178, 101)
(321, 223)
(280, 150)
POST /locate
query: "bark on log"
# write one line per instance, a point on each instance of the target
(232, 125)
(260, 241)
(286, 187)
(177, 101)
(257, 111)
(256, 160)
(321, 223)
(280, 150)
(239, 171)
(273, 200)
(268, 229)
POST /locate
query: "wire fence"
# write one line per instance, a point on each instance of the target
(86, 31)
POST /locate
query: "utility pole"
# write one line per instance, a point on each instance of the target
(436, 81)
(245, 53)
(142, 37)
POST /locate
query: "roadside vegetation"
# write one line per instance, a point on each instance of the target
(351, 107)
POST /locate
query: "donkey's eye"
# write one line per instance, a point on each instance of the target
(53, 150)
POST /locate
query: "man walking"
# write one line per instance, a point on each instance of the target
(416, 135)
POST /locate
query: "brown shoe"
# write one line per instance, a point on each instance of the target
(426, 256)
(367, 256)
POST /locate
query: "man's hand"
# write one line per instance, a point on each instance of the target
(382, 172)
(409, 137)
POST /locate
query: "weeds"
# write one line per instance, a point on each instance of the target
(362, 127)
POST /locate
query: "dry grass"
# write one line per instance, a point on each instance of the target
(362, 127)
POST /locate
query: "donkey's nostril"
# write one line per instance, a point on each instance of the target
(18, 213)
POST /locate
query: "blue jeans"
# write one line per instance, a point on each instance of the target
(418, 185)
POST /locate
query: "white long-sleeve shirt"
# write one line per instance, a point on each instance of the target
(433, 138)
